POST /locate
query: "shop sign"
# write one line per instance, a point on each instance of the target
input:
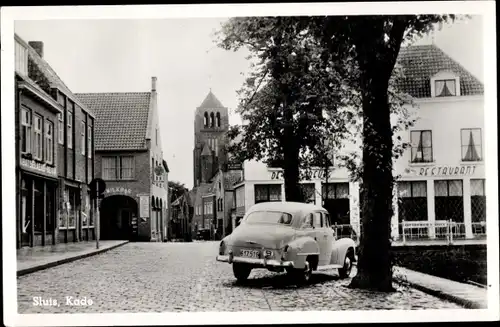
(464, 170)
(40, 167)
(144, 206)
(305, 175)
(118, 190)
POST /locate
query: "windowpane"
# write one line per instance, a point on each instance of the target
(261, 193)
(419, 189)
(477, 187)
(308, 192)
(426, 138)
(127, 167)
(471, 144)
(455, 188)
(342, 190)
(109, 170)
(440, 188)
(404, 189)
(60, 127)
(275, 192)
(70, 130)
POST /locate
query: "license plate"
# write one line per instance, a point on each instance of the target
(250, 253)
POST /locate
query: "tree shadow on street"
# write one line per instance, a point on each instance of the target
(282, 281)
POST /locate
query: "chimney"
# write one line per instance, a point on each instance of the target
(153, 84)
(38, 46)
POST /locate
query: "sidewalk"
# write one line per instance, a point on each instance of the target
(469, 296)
(37, 258)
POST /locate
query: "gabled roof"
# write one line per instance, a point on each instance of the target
(421, 62)
(122, 119)
(48, 78)
(211, 102)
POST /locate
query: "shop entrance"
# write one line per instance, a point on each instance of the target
(118, 218)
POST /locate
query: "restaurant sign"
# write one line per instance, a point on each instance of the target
(445, 170)
(118, 190)
(304, 175)
(39, 167)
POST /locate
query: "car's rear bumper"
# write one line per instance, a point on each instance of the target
(255, 262)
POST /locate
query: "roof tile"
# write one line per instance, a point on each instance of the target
(121, 119)
(421, 62)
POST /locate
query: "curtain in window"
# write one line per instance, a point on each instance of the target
(329, 190)
(308, 192)
(412, 204)
(275, 192)
(261, 193)
(109, 168)
(342, 190)
(471, 144)
(404, 189)
(448, 200)
(478, 201)
(127, 167)
(445, 88)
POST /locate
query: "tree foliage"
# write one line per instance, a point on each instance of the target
(176, 189)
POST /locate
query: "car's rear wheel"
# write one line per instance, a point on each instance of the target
(241, 271)
(345, 271)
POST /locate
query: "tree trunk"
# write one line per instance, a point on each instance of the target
(374, 266)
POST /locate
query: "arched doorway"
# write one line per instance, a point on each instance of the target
(117, 214)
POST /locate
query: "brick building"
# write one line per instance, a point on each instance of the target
(54, 154)
(129, 158)
(210, 126)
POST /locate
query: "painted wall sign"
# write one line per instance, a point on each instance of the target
(305, 175)
(144, 206)
(443, 170)
(40, 167)
(119, 190)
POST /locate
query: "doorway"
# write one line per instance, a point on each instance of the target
(118, 218)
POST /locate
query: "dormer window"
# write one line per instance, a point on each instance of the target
(21, 54)
(445, 87)
(445, 84)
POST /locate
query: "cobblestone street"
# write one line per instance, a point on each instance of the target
(163, 277)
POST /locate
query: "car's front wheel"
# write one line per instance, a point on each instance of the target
(345, 271)
(241, 271)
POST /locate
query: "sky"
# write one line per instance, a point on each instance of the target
(122, 55)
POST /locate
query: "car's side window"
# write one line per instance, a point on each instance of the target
(326, 223)
(308, 221)
(317, 220)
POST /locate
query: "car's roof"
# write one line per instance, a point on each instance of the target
(290, 207)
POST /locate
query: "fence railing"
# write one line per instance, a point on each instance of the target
(441, 230)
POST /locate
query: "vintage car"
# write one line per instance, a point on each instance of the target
(286, 236)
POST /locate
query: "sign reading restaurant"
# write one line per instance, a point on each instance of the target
(305, 175)
(118, 190)
(445, 170)
(39, 167)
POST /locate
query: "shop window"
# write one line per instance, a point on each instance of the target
(267, 192)
(25, 130)
(49, 142)
(421, 146)
(448, 200)
(412, 201)
(39, 214)
(471, 144)
(37, 142)
(50, 198)
(478, 200)
(308, 192)
(336, 202)
(26, 204)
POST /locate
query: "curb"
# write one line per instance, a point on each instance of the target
(30, 270)
(468, 304)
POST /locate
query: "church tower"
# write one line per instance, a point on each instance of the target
(211, 123)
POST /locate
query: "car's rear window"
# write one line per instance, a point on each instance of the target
(269, 217)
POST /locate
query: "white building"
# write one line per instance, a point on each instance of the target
(441, 176)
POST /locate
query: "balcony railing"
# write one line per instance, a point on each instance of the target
(441, 231)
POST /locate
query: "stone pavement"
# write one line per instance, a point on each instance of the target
(174, 277)
(42, 257)
(469, 296)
